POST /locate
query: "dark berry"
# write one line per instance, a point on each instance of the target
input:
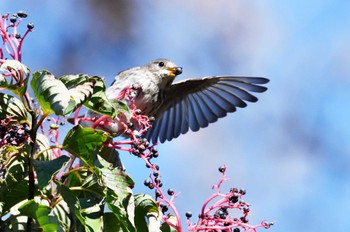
(147, 182)
(136, 152)
(244, 220)
(188, 214)
(157, 180)
(157, 167)
(164, 208)
(222, 169)
(233, 199)
(130, 124)
(17, 36)
(13, 19)
(242, 191)
(236, 230)
(22, 14)
(30, 26)
(158, 194)
(155, 155)
(138, 111)
(151, 119)
(141, 147)
(156, 174)
(171, 191)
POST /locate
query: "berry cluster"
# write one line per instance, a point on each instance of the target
(12, 39)
(14, 135)
(216, 216)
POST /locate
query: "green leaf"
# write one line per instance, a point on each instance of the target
(166, 228)
(62, 211)
(114, 203)
(101, 104)
(14, 108)
(42, 143)
(94, 216)
(74, 80)
(41, 213)
(81, 87)
(116, 179)
(111, 223)
(22, 73)
(13, 184)
(144, 204)
(111, 156)
(45, 170)
(85, 143)
(52, 95)
(73, 204)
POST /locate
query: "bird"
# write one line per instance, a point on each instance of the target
(177, 107)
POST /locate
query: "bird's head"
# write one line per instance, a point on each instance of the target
(164, 69)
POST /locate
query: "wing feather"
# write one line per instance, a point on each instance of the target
(195, 103)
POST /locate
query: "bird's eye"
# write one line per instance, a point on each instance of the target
(161, 64)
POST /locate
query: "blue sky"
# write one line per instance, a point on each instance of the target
(290, 150)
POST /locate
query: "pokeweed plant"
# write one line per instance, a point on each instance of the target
(80, 184)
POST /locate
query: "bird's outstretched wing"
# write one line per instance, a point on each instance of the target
(194, 103)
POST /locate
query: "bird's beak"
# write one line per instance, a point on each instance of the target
(175, 71)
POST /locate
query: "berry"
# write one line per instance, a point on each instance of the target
(147, 182)
(130, 124)
(138, 111)
(155, 174)
(171, 191)
(17, 36)
(242, 191)
(22, 14)
(236, 230)
(164, 208)
(30, 26)
(155, 155)
(13, 19)
(136, 152)
(233, 199)
(14, 135)
(244, 220)
(188, 214)
(157, 180)
(222, 169)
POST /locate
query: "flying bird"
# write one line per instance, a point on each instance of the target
(180, 106)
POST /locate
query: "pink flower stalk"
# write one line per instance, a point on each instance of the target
(215, 215)
(12, 39)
